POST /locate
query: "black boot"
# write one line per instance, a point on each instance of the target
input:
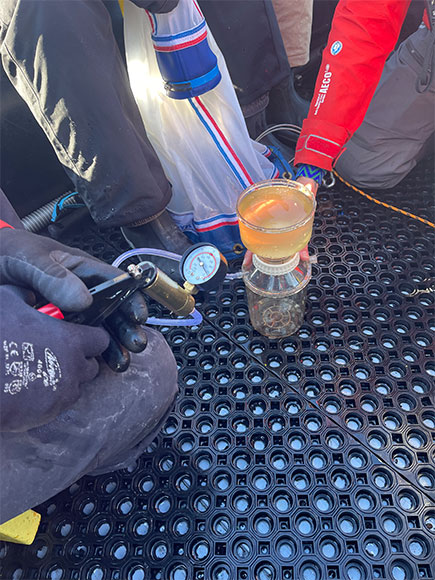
(161, 233)
(255, 116)
(285, 105)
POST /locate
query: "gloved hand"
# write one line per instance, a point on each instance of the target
(43, 361)
(62, 275)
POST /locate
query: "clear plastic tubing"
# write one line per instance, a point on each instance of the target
(162, 253)
(196, 317)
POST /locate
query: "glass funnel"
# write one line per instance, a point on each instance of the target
(276, 218)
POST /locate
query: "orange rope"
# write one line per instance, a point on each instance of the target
(402, 211)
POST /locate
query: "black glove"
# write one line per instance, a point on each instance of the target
(44, 361)
(62, 275)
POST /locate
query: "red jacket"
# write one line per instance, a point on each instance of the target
(363, 34)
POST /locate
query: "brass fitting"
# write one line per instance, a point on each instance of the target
(169, 294)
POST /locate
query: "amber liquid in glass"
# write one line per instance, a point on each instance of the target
(273, 208)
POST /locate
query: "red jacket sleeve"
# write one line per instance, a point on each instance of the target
(363, 34)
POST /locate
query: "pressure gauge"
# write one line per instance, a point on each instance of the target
(204, 266)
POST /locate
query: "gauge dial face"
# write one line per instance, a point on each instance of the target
(201, 264)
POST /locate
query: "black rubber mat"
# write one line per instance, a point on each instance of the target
(308, 458)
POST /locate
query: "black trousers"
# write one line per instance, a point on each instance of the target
(62, 58)
(248, 35)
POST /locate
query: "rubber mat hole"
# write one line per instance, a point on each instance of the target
(418, 546)
(242, 549)
(305, 524)
(426, 478)
(318, 460)
(366, 501)
(392, 421)
(420, 386)
(382, 478)
(263, 524)
(344, 292)
(201, 503)
(312, 390)
(240, 425)
(258, 347)
(407, 403)
(322, 345)
(136, 573)
(354, 422)
(416, 439)
(307, 359)
(313, 422)
(95, 573)
(369, 404)
(324, 501)
(293, 406)
(402, 458)
(274, 390)
(383, 387)
(300, 480)
(357, 459)
(376, 356)
(221, 572)
(429, 367)
(140, 528)
(279, 461)
(391, 523)
(181, 526)
(258, 407)
(276, 423)
(408, 500)
(265, 571)
(286, 549)
(402, 570)
(242, 502)
(330, 547)
(310, 571)
(170, 426)
(334, 440)
(348, 524)
(341, 358)
(186, 443)
(188, 409)
(397, 370)
(429, 419)
(341, 480)
(356, 571)
(292, 375)
(374, 547)
(205, 426)
(347, 388)
(221, 525)
(336, 330)
(199, 550)
(361, 372)
(282, 501)
(297, 441)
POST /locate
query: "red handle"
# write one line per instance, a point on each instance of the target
(51, 310)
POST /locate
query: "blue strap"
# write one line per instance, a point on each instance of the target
(310, 171)
(199, 81)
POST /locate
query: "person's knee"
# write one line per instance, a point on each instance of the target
(161, 368)
(378, 168)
